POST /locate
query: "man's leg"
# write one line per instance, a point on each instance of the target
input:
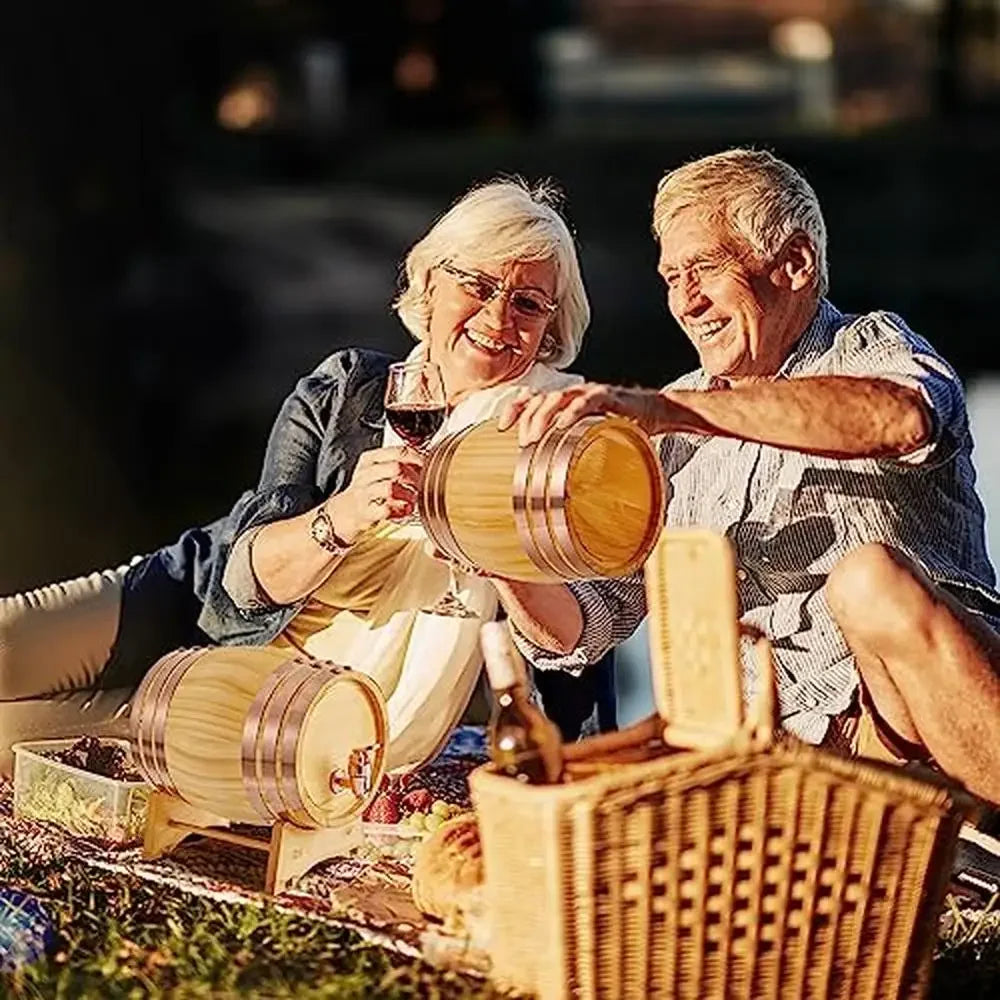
(931, 668)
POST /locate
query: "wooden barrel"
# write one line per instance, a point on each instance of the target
(255, 735)
(584, 502)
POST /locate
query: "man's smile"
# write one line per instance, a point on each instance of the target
(704, 332)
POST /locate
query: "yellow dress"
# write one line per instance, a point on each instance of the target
(370, 615)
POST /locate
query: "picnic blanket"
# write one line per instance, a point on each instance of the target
(368, 890)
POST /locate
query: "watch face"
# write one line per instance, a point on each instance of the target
(323, 534)
(321, 528)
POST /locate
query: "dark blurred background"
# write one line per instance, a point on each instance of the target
(200, 200)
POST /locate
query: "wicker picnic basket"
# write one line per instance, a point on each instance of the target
(749, 868)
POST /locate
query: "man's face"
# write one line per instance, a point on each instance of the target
(734, 309)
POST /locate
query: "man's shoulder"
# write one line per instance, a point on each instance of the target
(877, 332)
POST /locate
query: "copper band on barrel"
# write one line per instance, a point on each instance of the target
(251, 727)
(522, 516)
(268, 734)
(431, 500)
(140, 710)
(145, 698)
(555, 498)
(540, 503)
(291, 726)
(151, 724)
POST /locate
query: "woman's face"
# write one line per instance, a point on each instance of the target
(487, 321)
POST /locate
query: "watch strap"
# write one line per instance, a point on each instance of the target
(324, 534)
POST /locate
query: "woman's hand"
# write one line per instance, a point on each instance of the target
(383, 487)
(534, 414)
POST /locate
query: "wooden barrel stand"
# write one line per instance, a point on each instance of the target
(291, 850)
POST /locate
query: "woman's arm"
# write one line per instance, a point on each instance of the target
(330, 418)
(289, 563)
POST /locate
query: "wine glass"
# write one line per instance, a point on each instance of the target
(416, 406)
(415, 403)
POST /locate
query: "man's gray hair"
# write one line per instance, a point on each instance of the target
(761, 200)
(501, 221)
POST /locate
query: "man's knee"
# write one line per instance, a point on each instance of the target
(876, 588)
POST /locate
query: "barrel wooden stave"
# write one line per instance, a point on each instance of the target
(479, 503)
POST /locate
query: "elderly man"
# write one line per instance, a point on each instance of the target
(834, 452)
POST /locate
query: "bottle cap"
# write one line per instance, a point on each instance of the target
(504, 665)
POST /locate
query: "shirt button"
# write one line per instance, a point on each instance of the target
(741, 574)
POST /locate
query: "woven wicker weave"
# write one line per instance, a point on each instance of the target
(750, 870)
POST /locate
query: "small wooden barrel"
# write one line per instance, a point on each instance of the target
(584, 502)
(255, 735)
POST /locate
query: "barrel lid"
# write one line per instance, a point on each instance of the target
(345, 725)
(614, 495)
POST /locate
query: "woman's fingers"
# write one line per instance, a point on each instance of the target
(381, 456)
(388, 470)
(382, 509)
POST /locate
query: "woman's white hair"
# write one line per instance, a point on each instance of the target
(503, 220)
(761, 200)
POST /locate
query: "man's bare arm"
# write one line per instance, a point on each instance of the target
(837, 416)
(548, 614)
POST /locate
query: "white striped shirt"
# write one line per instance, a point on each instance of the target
(792, 516)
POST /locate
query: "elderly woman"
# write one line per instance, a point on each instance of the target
(323, 555)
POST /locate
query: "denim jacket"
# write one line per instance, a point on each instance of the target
(175, 596)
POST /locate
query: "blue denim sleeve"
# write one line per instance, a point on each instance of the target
(332, 415)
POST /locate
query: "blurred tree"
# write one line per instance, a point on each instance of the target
(949, 79)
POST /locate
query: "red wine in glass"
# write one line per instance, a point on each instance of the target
(415, 403)
(416, 423)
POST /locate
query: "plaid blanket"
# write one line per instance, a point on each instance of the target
(368, 891)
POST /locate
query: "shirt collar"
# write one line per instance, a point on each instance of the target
(816, 341)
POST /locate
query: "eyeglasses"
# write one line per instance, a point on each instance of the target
(531, 304)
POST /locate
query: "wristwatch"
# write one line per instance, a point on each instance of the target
(324, 534)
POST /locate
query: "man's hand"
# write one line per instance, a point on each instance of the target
(534, 414)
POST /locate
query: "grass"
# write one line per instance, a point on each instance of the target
(121, 937)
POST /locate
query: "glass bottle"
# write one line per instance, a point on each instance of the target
(523, 742)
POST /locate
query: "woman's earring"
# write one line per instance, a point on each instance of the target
(548, 347)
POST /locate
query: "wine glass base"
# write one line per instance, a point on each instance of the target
(449, 606)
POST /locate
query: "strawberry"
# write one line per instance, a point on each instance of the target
(419, 800)
(385, 809)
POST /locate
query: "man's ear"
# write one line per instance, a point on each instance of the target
(796, 263)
